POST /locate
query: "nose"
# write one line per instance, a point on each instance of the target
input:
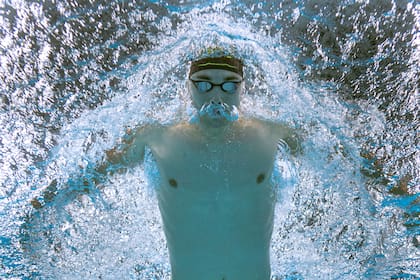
(216, 102)
(216, 97)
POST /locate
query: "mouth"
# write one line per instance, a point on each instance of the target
(215, 113)
(219, 111)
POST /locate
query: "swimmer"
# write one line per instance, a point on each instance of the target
(216, 198)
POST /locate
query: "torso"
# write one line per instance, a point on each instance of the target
(216, 200)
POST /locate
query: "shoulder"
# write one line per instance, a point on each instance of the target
(183, 126)
(146, 132)
(252, 124)
(157, 132)
(261, 125)
(275, 129)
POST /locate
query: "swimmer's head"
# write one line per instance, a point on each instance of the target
(215, 93)
(215, 83)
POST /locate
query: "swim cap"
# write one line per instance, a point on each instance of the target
(224, 62)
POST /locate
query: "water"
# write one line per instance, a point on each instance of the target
(75, 75)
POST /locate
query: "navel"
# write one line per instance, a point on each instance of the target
(260, 178)
(173, 183)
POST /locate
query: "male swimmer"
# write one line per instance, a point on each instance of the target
(216, 198)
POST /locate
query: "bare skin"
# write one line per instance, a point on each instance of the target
(216, 199)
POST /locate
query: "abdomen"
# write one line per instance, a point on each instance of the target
(224, 233)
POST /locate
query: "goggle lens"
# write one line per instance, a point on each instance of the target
(206, 86)
(203, 86)
(229, 87)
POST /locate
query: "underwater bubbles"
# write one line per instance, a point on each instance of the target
(76, 77)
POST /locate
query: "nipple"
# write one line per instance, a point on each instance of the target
(173, 183)
(260, 178)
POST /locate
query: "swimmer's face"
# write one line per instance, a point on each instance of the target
(215, 86)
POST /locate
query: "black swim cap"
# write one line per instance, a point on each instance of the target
(224, 62)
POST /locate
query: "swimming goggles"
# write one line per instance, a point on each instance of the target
(206, 86)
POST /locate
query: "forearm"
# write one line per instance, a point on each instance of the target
(84, 182)
(127, 152)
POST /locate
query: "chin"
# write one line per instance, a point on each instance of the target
(217, 121)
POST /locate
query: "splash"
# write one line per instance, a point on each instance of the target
(73, 100)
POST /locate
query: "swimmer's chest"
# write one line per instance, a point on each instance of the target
(186, 161)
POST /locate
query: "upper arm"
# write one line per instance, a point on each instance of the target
(289, 135)
(130, 149)
(128, 152)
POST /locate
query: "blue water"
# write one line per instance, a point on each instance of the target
(76, 74)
